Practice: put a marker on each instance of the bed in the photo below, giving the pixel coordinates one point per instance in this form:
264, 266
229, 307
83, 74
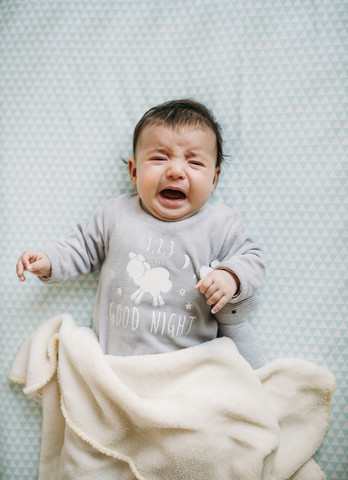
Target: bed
77, 76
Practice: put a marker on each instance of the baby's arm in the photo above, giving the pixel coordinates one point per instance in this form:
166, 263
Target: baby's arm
79, 253
35, 262
219, 287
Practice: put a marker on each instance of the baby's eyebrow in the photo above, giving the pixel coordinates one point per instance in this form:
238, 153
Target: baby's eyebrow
191, 153
160, 150
194, 154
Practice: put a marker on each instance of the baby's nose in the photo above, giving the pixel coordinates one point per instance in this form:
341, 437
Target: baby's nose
176, 169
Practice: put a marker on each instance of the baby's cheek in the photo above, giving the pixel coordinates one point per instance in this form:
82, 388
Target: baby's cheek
148, 181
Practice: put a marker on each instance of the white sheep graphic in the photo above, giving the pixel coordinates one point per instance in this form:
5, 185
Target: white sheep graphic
150, 280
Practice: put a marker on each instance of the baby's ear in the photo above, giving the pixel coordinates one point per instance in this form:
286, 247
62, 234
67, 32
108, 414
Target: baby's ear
216, 177
132, 168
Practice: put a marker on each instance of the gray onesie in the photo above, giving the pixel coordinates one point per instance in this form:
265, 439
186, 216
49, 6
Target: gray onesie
146, 302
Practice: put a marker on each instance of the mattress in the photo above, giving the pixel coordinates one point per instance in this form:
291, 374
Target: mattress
77, 76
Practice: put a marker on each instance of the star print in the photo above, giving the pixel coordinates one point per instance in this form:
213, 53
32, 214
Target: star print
182, 292
119, 291
188, 306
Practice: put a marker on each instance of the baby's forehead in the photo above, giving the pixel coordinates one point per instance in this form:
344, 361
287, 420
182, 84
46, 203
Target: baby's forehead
156, 131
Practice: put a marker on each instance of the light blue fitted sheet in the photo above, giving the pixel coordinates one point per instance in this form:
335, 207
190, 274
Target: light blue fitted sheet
76, 77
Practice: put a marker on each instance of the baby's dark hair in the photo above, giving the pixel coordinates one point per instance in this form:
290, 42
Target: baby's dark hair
181, 113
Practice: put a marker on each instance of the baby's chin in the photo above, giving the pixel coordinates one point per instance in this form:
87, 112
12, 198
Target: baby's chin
171, 214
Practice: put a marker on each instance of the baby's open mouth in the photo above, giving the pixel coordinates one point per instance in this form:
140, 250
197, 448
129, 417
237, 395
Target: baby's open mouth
170, 194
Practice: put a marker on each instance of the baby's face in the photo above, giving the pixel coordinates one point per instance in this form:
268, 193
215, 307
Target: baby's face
174, 170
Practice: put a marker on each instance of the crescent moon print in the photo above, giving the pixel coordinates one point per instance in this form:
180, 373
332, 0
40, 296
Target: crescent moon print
187, 261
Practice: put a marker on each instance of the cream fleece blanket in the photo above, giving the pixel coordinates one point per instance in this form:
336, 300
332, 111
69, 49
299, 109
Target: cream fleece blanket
196, 414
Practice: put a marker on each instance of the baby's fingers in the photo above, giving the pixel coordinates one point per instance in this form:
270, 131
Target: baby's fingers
31, 260
204, 284
20, 270
37, 266
221, 303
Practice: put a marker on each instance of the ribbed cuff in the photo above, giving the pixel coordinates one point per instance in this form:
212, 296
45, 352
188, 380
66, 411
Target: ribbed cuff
234, 313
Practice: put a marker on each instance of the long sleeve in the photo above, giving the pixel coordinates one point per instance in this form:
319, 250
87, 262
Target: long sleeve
241, 255
80, 253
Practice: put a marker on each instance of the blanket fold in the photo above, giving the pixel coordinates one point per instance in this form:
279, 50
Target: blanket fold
198, 413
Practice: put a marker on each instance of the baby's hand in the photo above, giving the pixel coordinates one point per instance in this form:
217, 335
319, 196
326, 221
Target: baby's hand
35, 262
219, 286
